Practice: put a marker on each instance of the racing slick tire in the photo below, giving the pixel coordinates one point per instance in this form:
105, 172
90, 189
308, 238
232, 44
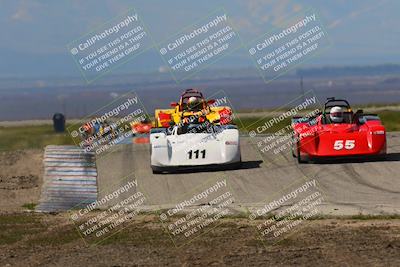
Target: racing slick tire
300, 159
294, 146
156, 170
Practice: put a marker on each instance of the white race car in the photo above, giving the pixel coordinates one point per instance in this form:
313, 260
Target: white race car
192, 145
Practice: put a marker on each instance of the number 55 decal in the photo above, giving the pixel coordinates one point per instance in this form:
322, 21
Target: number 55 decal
347, 144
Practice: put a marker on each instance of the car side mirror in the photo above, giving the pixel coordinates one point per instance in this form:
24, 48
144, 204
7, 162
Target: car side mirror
173, 104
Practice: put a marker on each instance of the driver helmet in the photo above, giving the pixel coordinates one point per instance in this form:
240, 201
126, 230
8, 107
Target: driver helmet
336, 114
194, 103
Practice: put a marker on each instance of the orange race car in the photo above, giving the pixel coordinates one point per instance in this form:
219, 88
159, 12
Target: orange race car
142, 127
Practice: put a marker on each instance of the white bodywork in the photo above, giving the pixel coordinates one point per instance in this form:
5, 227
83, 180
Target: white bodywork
221, 146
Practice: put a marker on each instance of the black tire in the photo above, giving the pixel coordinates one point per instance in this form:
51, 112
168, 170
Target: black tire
383, 157
293, 147
157, 172
238, 165
300, 159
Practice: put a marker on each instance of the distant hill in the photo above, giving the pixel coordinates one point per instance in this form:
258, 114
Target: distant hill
331, 71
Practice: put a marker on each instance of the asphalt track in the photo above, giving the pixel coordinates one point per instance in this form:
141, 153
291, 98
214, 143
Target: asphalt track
349, 187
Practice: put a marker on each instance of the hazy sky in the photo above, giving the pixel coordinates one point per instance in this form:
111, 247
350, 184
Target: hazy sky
34, 34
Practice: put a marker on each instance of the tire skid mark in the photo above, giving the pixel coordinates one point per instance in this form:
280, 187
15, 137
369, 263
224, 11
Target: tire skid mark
349, 169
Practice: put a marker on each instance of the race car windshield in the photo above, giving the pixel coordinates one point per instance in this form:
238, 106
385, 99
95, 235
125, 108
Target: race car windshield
205, 127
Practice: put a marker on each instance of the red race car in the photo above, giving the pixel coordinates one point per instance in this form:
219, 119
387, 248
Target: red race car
338, 132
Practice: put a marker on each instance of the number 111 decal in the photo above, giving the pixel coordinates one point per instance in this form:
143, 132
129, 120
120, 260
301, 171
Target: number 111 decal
196, 154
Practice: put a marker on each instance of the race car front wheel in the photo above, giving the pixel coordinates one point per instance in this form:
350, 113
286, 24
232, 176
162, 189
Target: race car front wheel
156, 170
294, 146
300, 159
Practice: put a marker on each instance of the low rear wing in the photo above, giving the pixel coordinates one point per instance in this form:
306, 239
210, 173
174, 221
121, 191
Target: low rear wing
364, 118
370, 117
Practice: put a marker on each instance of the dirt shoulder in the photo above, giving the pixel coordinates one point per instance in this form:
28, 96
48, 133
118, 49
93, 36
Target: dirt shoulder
35, 239
32, 239
21, 174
